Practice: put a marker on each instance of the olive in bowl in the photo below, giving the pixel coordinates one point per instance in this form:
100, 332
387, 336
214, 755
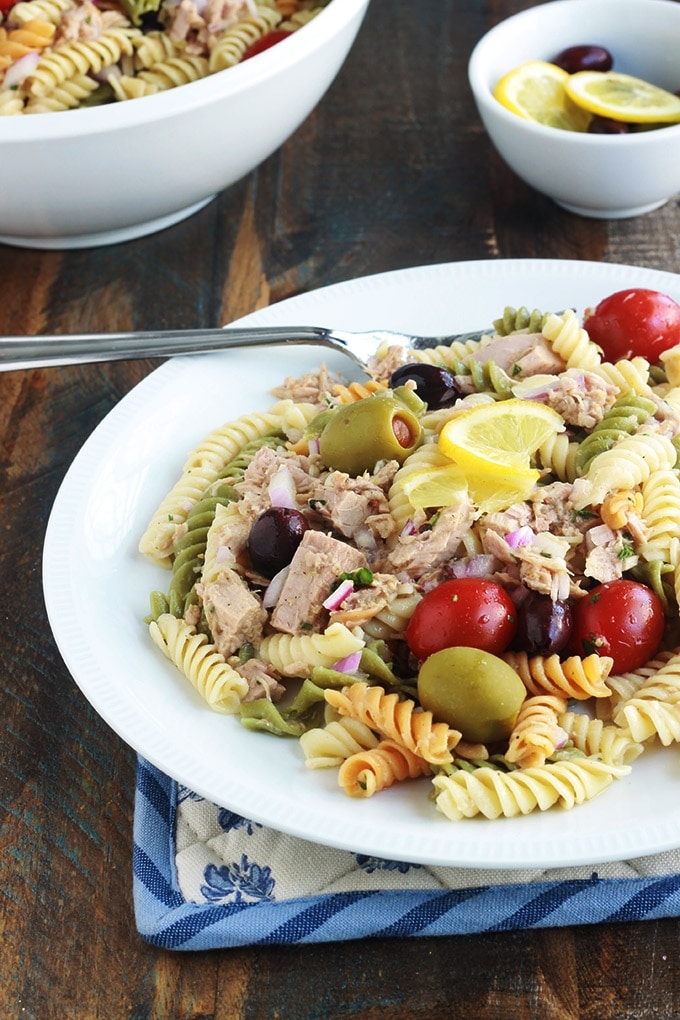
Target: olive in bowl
601, 174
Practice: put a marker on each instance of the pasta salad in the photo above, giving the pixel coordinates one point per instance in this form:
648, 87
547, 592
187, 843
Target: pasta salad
464, 570
58, 55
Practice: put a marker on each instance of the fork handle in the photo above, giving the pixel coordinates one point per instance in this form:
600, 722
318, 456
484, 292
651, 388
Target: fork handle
83, 348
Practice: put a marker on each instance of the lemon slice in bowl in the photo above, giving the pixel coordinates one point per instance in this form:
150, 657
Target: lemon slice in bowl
499, 439
536, 90
623, 97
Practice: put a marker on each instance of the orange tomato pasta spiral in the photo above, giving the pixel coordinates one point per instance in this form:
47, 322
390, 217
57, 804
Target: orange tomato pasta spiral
397, 720
368, 772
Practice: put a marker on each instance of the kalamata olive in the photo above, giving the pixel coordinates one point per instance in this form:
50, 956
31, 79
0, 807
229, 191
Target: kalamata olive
543, 626
434, 384
473, 691
274, 537
584, 58
376, 428
608, 126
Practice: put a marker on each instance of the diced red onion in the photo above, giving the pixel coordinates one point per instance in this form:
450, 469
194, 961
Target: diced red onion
314, 446
349, 664
561, 739
408, 529
274, 588
599, 535
479, 565
20, 69
522, 536
281, 489
337, 597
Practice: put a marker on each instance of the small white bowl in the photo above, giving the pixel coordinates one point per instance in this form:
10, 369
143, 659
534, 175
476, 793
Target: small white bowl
97, 176
601, 176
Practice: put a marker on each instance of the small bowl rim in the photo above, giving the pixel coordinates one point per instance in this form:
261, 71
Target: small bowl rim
190, 97
483, 94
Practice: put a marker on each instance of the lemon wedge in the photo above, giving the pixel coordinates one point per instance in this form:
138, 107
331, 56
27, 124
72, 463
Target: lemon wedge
499, 439
623, 97
537, 90
435, 486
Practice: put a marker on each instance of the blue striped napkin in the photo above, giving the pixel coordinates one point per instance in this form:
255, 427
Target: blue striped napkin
205, 878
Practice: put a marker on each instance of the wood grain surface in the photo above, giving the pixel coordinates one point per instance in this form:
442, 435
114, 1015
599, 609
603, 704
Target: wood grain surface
393, 169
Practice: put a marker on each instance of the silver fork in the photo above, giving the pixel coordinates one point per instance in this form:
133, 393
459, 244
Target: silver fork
76, 349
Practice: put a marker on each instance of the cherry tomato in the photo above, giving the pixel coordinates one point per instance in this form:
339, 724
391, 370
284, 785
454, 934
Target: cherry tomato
6, 5
634, 322
623, 619
261, 44
469, 611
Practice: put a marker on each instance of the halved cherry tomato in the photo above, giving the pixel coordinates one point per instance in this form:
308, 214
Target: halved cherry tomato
6, 5
469, 611
263, 43
634, 322
623, 619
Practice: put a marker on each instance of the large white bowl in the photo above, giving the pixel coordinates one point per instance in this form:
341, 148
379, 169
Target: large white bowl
112, 173
602, 176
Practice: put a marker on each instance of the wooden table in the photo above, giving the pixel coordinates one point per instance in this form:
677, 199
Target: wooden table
392, 170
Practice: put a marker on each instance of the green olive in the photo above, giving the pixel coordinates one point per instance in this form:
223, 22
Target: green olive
376, 428
473, 691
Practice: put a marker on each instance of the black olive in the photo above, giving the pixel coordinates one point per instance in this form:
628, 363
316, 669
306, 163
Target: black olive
543, 626
584, 58
608, 126
435, 385
274, 537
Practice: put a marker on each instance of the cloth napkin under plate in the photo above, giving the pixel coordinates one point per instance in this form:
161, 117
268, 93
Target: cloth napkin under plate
205, 878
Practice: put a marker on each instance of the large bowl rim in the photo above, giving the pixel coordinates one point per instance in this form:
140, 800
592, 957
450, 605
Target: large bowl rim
484, 96
192, 96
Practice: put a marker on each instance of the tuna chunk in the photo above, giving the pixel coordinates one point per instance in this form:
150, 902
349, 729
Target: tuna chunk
234, 614
414, 555
520, 355
318, 563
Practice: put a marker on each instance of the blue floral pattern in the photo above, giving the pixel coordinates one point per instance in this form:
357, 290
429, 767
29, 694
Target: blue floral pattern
229, 821
238, 882
371, 864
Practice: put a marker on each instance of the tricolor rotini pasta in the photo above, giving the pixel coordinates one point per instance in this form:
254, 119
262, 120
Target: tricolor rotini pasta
317, 570
58, 55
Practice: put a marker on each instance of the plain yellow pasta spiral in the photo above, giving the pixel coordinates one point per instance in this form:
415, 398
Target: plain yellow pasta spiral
655, 707
200, 662
68, 59
398, 720
570, 340
229, 48
613, 744
575, 677
494, 794
628, 464
297, 654
330, 745
67, 96
167, 74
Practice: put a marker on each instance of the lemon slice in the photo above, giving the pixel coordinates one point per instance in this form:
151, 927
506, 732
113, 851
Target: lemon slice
499, 439
490, 493
537, 91
435, 486
623, 97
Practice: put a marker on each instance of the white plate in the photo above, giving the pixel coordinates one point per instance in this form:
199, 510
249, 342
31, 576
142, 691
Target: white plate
96, 588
